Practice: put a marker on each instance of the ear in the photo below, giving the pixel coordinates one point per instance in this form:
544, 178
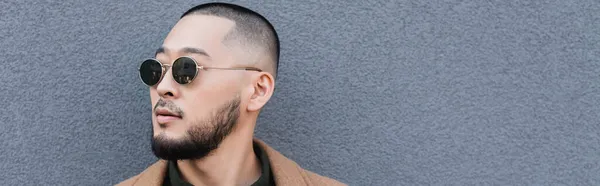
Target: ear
263, 87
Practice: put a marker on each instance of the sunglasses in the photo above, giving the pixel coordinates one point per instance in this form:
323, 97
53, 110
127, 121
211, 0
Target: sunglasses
183, 69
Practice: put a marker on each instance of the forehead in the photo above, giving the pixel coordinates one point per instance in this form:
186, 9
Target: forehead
198, 31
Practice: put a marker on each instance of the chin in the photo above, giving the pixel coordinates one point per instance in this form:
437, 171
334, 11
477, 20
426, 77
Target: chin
169, 131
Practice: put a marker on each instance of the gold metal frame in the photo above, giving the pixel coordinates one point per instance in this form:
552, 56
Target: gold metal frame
164, 68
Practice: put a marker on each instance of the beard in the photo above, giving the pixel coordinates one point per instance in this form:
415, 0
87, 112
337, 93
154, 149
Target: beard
201, 138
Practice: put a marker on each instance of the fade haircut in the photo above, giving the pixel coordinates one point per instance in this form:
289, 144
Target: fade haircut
251, 29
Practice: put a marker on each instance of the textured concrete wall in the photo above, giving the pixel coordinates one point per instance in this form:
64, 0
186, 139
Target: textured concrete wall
370, 93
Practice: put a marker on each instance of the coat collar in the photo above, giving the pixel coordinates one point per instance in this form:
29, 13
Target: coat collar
285, 171
153, 175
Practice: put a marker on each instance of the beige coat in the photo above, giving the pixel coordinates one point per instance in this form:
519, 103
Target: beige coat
285, 172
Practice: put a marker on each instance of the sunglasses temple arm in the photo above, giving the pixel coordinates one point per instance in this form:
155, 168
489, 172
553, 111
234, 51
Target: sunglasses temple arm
234, 68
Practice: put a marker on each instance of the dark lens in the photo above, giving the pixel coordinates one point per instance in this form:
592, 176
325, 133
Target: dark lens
150, 72
184, 70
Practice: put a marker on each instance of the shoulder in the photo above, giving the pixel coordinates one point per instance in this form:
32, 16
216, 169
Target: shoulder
153, 175
317, 179
129, 181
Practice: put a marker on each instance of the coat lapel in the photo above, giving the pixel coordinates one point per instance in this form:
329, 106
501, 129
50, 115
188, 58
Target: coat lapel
153, 175
285, 171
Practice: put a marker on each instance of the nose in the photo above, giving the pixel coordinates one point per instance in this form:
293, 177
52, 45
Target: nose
167, 88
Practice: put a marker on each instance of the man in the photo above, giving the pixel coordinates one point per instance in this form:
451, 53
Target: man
214, 72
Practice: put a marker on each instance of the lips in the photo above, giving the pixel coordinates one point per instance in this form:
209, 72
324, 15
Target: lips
164, 116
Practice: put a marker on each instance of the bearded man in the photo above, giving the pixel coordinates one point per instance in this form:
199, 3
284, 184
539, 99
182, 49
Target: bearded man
208, 81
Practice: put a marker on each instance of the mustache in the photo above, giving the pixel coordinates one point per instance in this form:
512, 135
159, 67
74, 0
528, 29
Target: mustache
169, 105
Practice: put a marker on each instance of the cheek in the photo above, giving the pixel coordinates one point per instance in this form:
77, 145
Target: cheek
199, 103
203, 102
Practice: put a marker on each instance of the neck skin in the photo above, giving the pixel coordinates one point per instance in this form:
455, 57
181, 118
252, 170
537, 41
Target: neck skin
232, 163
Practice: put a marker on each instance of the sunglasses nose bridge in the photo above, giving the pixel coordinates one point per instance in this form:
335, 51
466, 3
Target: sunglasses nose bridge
166, 67
165, 71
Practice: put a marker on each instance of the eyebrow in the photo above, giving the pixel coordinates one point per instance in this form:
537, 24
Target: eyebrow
185, 50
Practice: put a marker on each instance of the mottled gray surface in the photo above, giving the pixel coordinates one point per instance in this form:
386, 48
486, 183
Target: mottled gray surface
388, 93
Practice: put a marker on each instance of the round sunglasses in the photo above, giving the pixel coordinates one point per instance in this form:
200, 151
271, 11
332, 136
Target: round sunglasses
183, 69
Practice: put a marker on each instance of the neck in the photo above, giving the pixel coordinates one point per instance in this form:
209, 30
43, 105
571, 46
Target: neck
232, 163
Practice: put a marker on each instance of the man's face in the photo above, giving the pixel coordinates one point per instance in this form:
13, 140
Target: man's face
208, 107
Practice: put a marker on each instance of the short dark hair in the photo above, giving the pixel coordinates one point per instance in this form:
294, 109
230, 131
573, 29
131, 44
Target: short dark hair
250, 26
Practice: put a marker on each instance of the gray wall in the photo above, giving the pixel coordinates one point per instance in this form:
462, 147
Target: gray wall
370, 93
